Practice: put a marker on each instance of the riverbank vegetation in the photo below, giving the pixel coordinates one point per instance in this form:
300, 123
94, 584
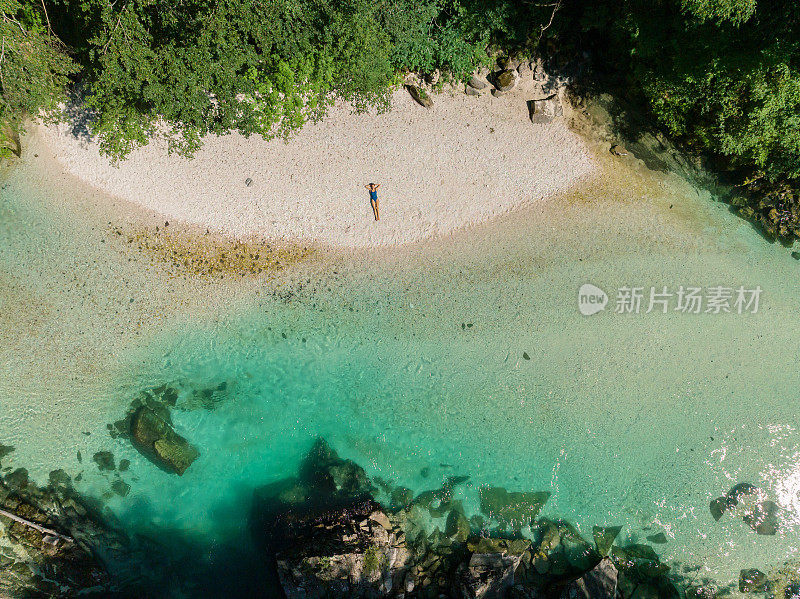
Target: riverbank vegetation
719, 76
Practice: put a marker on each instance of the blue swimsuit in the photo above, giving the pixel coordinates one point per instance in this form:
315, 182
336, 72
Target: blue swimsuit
373, 195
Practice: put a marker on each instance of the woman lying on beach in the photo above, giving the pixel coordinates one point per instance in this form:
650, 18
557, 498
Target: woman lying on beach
373, 199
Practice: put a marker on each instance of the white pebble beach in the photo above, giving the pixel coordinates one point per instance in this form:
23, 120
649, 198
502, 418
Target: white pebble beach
462, 162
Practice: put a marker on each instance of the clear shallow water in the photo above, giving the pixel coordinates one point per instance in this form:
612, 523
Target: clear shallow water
634, 419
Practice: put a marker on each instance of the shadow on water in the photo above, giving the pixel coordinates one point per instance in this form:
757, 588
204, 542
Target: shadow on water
224, 564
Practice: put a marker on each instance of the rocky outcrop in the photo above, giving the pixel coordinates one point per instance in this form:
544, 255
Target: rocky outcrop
330, 538
598, 583
49, 539
491, 569
361, 555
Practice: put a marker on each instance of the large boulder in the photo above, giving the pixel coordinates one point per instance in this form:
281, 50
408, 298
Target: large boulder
155, 438
477, 82
352, 552
490, 572
505, 80
544, 110
420, 96
598, 583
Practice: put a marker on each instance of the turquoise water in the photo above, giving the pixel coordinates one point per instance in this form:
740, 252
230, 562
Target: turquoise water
638, 419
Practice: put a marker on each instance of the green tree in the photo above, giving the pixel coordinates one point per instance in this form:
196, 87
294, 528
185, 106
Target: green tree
34, 67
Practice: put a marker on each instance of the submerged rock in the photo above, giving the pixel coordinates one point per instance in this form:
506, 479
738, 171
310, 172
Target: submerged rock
579, 553
5, 450
739, 492
752, 581
401, 496
104, 460
764, 518
658, 538
641, 551
604, 537
457, 525
121, 488
515, 509
718, 507
155, 438
329, 474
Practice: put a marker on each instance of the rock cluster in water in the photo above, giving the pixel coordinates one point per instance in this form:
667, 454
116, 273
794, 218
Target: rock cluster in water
148, 426
49, 538
329, 537
747, 501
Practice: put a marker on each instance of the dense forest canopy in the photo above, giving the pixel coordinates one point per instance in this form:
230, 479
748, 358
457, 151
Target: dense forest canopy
720, 76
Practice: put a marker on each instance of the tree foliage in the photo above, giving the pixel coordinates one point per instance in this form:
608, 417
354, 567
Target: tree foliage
719, 75
189, 68
33, 65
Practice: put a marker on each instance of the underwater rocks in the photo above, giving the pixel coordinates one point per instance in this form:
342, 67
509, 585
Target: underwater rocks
762, 515
155, 438
104, 460
763, 518
512, 509
331, 475
48, 540
328, 537
604, 537
5, 450
752, 581
148, 426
